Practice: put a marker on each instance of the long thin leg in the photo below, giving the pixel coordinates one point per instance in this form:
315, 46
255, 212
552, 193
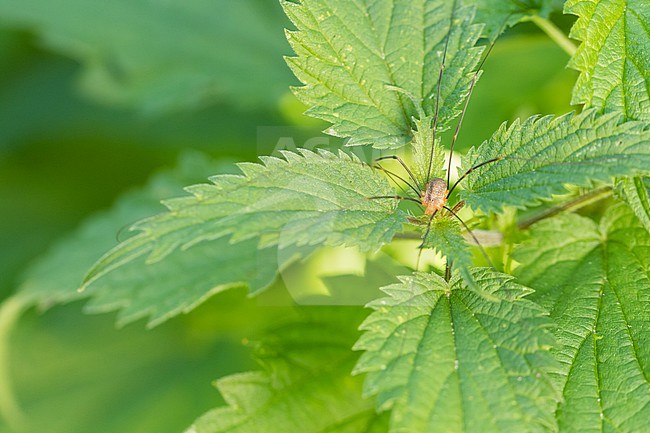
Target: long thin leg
391, 174
417, 263
394, 197
438, 90
487, 258
408, 170
489, 161
458, 206
426, 233
424, 238
469, 95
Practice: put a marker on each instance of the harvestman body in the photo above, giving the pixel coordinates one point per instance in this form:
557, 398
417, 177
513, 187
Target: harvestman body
435, 196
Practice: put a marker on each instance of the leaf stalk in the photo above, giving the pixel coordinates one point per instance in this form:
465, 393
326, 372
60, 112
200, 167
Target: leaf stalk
555, 34
578, 202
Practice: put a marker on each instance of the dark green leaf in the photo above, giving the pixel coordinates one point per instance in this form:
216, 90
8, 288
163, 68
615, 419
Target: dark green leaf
499, 14
594, 278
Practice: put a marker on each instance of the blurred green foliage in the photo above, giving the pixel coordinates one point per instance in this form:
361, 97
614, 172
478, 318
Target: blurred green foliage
207, 76
79, 374
165, 56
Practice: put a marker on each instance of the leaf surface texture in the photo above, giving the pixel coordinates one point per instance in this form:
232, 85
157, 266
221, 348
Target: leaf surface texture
594, 279
371, 68
445, 357
541, 155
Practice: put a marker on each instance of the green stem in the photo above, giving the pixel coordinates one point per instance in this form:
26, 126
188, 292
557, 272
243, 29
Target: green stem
576, 203
10, 311
555, 33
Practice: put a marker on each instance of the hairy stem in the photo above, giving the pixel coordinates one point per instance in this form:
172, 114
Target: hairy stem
576, 203
555, 33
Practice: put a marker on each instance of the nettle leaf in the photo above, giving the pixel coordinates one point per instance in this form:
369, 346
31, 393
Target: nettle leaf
542, 155
445, 357
445, 238
614, 66
595, 281
613, 57
283, 208
160, 290
636, 193
370, 69
185, 279
305, 386
159, 56
428, 159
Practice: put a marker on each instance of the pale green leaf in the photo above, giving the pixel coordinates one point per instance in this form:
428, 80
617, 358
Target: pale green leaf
161, 55
371, 68
355, 289
447, 358
613, 57
55, 277
636, 193
304, 200
541, 155
185, 279
445, 238
428, 159
160, 290
595, 281
305, 386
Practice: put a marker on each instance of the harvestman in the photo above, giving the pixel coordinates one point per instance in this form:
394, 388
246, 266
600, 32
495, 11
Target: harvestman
434, 195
